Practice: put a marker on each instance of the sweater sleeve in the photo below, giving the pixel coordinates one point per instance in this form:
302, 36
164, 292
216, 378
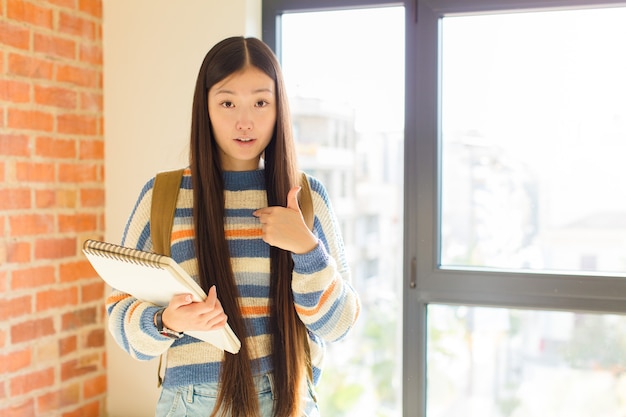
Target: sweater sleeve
131, 321
324, 298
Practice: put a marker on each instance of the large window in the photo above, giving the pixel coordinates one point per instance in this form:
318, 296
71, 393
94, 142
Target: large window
513, 268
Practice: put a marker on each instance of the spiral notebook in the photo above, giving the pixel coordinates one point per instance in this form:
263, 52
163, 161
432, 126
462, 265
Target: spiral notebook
153, 278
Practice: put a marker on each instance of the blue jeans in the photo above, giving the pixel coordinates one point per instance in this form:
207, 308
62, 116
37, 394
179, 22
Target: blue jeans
199, 400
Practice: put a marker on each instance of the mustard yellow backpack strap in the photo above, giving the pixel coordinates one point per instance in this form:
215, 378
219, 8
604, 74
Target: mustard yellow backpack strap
164, 196
162, 210
306, 201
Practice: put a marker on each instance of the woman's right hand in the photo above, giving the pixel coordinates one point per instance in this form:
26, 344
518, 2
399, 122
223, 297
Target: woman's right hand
183, 314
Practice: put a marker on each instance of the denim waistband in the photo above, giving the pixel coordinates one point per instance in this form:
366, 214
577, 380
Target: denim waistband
262, 383
198, 398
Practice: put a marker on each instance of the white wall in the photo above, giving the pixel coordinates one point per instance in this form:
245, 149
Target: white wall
152, 52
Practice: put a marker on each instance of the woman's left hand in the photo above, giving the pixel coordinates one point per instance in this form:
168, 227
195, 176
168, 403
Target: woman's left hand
284, 227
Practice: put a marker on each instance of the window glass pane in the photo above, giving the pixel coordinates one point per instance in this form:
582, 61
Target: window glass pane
533, 141
346, 86
490, 362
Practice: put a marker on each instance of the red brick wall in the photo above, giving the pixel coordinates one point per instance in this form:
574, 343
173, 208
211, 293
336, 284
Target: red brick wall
52, 331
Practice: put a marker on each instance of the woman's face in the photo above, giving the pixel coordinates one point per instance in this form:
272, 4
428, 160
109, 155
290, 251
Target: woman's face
242, 109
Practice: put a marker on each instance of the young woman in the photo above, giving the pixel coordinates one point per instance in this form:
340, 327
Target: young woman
238, 230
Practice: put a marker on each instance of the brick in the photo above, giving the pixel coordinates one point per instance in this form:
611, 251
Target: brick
4, 285
31, 330
104, 359
30, 120
15, 199
56, 96
92, 198
76, 271
55, 198
15, 307
55, 148
33, 277
70, 394
67, 198
77, 124
90, 54
56, 298
30, 67
91, 7
31, 224
45, 198
55, 248
82, 77
95, 339
77, 173
93, 292
18, 252
3, 260
23, 409
95, 386
54, 46
14, 35
23, 384
68, 4
68, 345
80, 222
14, 361
78, 367
22, 11
14, 145
14, 91
91, 149
93, 102
48, 402
75, 25
47, 351
79, 318
51, 402
35, 172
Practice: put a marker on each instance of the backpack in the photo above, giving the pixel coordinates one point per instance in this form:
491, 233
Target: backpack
164, 196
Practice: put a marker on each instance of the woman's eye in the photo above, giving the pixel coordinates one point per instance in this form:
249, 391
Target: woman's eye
261, 103
227, 104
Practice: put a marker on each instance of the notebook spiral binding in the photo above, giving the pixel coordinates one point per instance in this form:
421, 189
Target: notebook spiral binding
121, 253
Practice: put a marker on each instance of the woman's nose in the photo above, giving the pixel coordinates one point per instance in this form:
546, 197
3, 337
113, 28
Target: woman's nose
244, 121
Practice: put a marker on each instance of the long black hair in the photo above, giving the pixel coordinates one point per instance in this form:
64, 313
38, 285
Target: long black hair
237, 396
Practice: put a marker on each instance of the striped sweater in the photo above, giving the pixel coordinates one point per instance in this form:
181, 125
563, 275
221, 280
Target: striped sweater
324, 299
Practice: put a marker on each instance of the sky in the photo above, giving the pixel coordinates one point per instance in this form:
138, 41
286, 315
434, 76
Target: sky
352, 56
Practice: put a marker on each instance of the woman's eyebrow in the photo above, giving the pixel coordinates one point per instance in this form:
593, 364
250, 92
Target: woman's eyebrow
258, 90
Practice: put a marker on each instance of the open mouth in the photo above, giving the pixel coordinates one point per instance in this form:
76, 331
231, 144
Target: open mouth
244, 139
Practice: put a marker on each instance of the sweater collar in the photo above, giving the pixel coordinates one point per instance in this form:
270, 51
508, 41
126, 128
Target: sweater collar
244, 180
